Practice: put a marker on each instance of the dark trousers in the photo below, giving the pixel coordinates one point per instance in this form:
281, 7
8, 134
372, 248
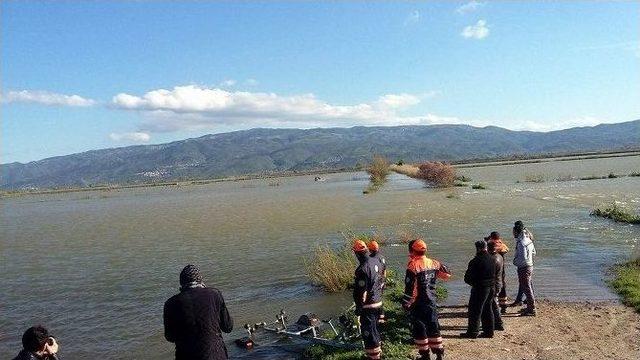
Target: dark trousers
497, 318
425, 329
480, 307
502, 295
370, 333
525, 274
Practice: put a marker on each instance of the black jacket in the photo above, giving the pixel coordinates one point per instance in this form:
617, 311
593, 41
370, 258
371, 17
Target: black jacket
193, 320
367, 289
27, 355
483, 271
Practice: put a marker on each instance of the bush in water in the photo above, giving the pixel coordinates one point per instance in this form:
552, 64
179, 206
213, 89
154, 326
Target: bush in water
437, 174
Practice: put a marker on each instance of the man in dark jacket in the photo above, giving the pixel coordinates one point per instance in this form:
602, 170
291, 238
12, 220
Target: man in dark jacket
481, 275
374, 253
497, 318
38, 344
194, 319
367, 295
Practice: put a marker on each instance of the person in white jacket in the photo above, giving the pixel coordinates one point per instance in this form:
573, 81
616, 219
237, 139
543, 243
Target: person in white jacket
523, 260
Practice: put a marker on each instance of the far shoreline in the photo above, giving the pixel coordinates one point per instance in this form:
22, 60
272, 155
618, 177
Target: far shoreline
461, 164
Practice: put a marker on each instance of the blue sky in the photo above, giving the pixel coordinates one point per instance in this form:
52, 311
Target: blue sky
79, 76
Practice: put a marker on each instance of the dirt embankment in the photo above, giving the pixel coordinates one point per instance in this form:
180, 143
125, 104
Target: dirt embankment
560, 331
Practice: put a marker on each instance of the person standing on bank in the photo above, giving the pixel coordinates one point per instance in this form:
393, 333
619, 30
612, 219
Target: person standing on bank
374, 253
420, 299
367, 295
481, 274
38, 344
501, 249
497, 319
194, 319
523, 260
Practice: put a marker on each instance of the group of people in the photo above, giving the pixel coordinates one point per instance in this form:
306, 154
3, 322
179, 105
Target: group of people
485, 274
195, 318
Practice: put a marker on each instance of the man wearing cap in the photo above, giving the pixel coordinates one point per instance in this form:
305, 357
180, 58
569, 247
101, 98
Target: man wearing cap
194, 319
367, 295
420, 299
481, 275
501, 248
374, 253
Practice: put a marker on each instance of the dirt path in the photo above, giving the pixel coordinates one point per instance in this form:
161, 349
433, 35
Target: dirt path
560, 331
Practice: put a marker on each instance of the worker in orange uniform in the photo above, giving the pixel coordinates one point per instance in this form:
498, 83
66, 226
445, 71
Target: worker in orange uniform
367, 295
420, 299
374, 253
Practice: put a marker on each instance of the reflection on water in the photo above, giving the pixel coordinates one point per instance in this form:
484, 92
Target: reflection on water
96, 267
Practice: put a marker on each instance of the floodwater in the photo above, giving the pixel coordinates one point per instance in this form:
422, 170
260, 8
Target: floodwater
96, 267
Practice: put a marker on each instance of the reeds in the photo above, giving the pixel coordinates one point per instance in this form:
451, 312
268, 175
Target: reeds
617, 213
437, 174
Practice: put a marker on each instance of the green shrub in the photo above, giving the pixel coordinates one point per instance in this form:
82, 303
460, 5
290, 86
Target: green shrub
478, 187
612, 176
463, 178
378, 169
634, 174
331, 269
626, 283
591, 177
617, 213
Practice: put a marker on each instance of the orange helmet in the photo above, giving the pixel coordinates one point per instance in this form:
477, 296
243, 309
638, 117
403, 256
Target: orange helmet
419, 246
373, 245
359, 246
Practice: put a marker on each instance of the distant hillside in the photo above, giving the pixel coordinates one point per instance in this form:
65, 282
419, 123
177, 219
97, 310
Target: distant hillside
274, 150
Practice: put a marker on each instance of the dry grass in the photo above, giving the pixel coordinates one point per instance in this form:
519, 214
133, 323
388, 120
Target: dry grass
406, 169
331, 269
378, 169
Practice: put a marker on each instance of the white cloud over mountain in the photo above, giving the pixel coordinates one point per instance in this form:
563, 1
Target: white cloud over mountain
139, 137
46, 98
194, 107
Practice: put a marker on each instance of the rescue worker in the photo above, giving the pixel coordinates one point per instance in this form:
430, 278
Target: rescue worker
523, 260
481, 274
195, 318
367, 295
497, 319
501, 248
420, 299
374, 253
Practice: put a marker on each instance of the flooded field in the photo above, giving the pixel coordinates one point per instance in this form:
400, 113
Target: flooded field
96, 267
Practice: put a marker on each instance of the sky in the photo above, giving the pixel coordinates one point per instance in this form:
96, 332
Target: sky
77, 76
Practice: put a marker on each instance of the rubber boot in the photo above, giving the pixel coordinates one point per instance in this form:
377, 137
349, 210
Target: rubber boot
423, 355
439, 354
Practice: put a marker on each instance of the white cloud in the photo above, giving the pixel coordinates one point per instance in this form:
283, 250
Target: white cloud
470, 7
228, 83
193, 107
478, 31
251, 82
45, 98
412, 18
131, 137
560, 125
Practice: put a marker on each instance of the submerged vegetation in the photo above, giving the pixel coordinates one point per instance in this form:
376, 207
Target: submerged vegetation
378, 171
617, 213
626, 283
437, 174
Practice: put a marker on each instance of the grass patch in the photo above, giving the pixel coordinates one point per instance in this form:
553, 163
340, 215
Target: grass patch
635, 174
617, 213
478, 187
452, 196
592, 177
396, 334
534, 178
463, 178
612, 176
331, 269
626, 283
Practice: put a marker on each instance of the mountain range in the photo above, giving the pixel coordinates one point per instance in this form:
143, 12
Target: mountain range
268, 151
